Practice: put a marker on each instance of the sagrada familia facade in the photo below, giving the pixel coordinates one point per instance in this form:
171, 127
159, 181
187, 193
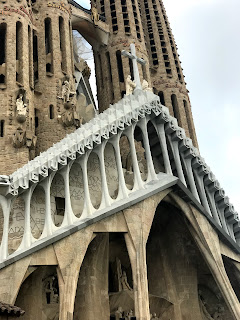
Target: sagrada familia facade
106, 212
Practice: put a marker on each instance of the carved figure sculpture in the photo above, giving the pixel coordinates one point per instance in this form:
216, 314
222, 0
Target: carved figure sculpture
154, 316
130, 315
124, 282
122, 277
119, 313
130, 85
21, 106
19, 138
145, 86
218, 313
203, 308
51, 290
94, 15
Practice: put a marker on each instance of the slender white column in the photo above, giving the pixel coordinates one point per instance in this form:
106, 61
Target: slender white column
48, 225
188, 167
123, 191
106, 199
69, 216
88, 208
176, 156
138, 183
163, 143
27, 236
6, 208
151, 171
201, 188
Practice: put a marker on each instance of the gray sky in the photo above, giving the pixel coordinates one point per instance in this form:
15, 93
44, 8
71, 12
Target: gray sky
207, 36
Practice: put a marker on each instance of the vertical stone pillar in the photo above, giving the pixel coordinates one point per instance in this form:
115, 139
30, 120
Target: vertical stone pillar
139, 220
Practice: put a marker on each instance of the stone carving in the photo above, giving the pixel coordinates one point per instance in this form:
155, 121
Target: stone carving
154, 316
119, 313
5, 179
19, 138
130, 85
66, 91
21, 109
145, 86
122, 277
218, 314
129, 315
51, 290
94, 15
203, 307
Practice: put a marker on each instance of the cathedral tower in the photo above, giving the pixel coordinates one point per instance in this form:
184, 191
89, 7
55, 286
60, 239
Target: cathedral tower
144, 22
112, 69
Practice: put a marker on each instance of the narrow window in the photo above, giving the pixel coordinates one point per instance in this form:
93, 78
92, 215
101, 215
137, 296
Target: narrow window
30, 57
120, 66
175, 106
51, 112
189, 118
110, 76
63, 44
161, 96
35, 56
19, 52
36, 118
3, 29
131, 69
1, 128
48, 45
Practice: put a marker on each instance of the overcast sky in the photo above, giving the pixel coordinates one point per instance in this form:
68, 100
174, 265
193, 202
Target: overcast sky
207, 36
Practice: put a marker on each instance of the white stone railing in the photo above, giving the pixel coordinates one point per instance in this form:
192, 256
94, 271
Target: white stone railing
100, 178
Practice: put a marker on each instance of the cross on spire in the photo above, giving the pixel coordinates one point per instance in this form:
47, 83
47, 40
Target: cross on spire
135, 60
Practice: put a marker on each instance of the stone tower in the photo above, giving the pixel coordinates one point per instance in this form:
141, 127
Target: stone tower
112, 69
144, 22
37, 84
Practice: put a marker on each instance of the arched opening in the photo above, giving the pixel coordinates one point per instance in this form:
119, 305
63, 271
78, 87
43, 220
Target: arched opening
126, 157
57, 195
2, 128
76, 189
161, 96
94, 180
189, 118
38, 211
16, 224
155, 147
233, 273
111, 170
107, 268
177, 271
39, 294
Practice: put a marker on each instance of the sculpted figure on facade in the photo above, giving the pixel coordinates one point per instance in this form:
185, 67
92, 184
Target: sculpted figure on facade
154, 316
130, 85
21, 109
66, 92
119, 313
145, 86
19, 138
94, 15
